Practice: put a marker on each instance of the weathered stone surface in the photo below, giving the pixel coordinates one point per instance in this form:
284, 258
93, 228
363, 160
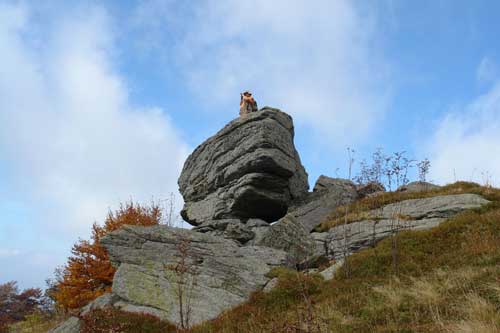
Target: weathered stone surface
417, 187
224, 273
227, 228
329, 193
106, 300
442, 206
415, 214
370, 189
329, 272
289, 234
364, 234
325, 183
71, 325
270, 285
249, 169
259, 229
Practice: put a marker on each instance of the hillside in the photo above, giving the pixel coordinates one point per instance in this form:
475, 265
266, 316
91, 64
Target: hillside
266, 255
448, 280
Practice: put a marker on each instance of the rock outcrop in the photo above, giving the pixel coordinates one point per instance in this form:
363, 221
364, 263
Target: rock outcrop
418, 186
71, 325
415, 214
223, 273
288, 234
370, 189
328, 194
249, 169
245, 191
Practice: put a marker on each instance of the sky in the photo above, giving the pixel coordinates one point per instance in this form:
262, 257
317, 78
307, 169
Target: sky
102, 101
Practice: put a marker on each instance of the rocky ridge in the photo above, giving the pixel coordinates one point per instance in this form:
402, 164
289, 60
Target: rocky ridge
414, 214
234, 184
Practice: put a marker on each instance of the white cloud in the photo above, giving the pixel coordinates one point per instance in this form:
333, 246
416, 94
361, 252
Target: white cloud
487, 71
316, 60
466, 144
77, 143
6, 253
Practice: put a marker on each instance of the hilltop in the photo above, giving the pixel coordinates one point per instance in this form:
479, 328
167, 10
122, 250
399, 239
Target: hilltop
267, 255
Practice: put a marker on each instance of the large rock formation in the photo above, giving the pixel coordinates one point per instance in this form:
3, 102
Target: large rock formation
148, 278
249, 169
328, 194
234, 184
288, 234
414, 214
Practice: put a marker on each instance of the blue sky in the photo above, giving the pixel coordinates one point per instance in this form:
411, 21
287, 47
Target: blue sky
101, 101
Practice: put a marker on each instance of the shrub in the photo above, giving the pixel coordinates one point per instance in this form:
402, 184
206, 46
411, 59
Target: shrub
16, 305
88, 273
116, 321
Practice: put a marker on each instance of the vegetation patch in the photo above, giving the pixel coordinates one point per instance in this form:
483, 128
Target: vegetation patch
113, 320
358, 210
448, 280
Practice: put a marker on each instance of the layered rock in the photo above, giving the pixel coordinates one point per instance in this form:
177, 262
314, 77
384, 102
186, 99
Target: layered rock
222, 273
328, 194
415, 214
249, 169
418, 186
288, 234
370, 189
234, 184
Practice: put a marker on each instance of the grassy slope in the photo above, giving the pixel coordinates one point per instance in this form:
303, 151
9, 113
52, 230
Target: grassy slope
448, 280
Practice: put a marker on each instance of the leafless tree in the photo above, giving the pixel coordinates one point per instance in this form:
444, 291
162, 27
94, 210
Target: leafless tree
371, 173
184, 277
171, 218
346, 229
400, 168
306, 320
423, 169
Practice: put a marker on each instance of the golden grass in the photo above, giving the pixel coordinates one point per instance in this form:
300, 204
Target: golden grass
448, 281
36, 323
482, 316
359, 210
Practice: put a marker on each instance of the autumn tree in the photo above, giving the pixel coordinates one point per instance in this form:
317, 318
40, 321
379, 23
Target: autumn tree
88, 273
16, 305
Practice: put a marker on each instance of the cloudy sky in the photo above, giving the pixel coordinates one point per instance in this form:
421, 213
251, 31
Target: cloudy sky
101, 101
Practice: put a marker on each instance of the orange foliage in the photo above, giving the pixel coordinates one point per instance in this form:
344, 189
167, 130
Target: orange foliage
88, 273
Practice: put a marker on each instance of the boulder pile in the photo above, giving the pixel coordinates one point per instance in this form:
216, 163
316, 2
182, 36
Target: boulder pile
246, 194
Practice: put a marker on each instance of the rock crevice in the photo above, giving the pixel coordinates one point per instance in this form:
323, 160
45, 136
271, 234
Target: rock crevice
234, 185
249, 169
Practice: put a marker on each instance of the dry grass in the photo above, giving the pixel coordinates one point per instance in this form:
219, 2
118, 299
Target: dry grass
482, 316
359, 210
443, 296
36, 323
449, 281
